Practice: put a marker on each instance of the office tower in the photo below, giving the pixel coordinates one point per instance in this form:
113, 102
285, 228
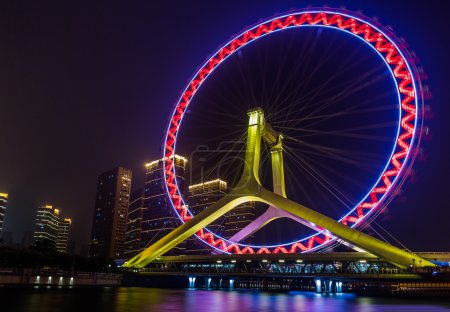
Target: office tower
63, 235
134, 225
205, 194
201, 196
236, 219
159, 217
51, 231
46, 228
3, 202
110, 212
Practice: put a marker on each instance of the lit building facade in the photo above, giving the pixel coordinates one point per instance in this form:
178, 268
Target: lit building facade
158, 216
62, 241
201, 196
46, 228
238, 218
3, 202
134, 225
110, 212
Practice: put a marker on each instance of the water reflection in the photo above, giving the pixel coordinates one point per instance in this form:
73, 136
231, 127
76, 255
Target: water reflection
148, 299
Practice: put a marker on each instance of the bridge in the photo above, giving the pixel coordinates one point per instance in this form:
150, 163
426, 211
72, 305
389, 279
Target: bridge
320, 272
338, 264
249, 188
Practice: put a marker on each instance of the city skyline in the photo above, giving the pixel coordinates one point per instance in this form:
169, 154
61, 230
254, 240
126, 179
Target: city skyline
158, 212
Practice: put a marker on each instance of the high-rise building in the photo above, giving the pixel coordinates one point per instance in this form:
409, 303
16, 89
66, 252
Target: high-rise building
63, 235
111, 205
46, 228
238, 218
159, 218
51, 231
3, 202
136, 208
200, 197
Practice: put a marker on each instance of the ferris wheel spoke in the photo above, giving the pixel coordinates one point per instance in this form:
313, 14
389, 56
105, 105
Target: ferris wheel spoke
309, 189
358, 109
322, 181
346, 134
302, 74
313, 171
310, 160
332, 152
344, 155
379, 125
312, 93
236, 136
327, 155
345, 92
305, 90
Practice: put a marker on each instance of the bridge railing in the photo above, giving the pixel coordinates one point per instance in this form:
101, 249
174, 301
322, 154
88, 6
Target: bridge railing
274, 268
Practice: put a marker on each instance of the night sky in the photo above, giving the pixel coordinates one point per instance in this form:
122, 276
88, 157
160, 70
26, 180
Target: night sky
86, 87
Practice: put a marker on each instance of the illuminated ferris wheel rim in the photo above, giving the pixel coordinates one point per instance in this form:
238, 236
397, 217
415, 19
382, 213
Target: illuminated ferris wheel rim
398, 163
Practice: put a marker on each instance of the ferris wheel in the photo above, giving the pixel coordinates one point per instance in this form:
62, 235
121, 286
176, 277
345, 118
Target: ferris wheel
349, 130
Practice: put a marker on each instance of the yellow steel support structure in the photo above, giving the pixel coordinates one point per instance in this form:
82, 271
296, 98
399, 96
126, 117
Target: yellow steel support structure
249, 189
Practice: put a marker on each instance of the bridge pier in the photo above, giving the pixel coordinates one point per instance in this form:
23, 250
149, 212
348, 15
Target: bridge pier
338, 287
328, 286
192, 281
318, 285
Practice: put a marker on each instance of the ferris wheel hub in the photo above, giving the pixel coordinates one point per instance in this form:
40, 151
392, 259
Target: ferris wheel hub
270, 135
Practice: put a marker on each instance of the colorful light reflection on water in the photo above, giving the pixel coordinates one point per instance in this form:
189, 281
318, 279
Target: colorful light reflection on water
152, 299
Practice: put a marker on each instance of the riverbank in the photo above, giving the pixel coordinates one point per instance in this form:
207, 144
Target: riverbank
56, 278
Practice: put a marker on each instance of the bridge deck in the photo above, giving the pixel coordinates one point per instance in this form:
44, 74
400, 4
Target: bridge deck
341, 265
306, 257
338, 256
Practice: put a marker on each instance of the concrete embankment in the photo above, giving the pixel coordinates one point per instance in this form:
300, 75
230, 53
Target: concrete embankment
31, 277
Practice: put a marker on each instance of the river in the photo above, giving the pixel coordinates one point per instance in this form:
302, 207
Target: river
151, 299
